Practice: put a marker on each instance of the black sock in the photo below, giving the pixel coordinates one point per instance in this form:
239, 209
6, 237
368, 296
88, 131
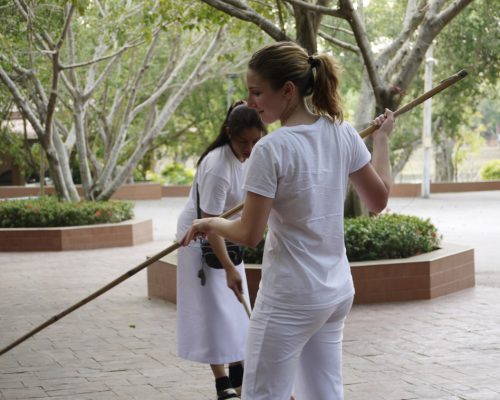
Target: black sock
236, 374
222, 383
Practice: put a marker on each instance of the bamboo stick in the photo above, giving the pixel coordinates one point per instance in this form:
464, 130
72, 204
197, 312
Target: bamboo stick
427, 95
109, 286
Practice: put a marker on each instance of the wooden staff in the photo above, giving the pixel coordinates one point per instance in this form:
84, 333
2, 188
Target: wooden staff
443, 85
427, 95
109, 286
245, 304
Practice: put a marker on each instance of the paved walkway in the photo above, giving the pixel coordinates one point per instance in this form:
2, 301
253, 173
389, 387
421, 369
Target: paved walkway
123, 346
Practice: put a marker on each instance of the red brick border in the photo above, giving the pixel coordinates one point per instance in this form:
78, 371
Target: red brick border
135, 191
414, 189
175, 190
422, 277
426, 276
127, 233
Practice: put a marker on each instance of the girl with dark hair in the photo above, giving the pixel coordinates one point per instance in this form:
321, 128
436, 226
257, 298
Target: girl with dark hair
296, 183
211, 322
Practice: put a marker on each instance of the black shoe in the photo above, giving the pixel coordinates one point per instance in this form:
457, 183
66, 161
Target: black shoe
227, 394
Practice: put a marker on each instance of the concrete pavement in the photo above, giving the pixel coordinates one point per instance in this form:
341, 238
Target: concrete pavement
123, 346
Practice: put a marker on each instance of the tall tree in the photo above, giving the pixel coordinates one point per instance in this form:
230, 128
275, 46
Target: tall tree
390, 56
390, 63
102, 79
471, 43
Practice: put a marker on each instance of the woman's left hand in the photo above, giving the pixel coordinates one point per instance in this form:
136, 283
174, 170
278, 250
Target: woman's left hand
234, 282
199, 227
384, 122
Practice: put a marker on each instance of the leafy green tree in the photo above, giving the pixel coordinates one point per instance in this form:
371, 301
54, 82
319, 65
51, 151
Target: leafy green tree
388, 55
99, 81
469, 43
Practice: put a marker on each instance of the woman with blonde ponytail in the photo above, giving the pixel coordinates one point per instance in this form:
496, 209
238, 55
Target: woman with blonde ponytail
296, 184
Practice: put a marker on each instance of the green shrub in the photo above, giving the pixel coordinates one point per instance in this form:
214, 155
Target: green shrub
491, 170
253, 255
49, 212
377, 238
177, 174
389, 236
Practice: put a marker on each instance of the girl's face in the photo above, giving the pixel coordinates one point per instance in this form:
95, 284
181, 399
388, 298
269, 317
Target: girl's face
269, 103
242, 143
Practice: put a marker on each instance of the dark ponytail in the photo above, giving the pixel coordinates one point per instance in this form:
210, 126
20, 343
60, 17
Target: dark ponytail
238, 117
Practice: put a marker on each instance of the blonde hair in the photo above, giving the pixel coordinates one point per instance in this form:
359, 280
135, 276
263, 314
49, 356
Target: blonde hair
316, 76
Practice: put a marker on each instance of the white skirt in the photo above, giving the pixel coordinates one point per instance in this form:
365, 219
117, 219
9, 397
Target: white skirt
212, 324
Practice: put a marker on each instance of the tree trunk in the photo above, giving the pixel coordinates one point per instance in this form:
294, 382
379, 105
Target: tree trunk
443, 159
307, 26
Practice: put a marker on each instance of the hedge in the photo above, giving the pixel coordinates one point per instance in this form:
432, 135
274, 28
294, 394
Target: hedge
47, 211
491, 170
387, 236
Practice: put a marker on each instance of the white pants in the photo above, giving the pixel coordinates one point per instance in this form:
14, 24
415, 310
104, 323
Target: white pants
304, 346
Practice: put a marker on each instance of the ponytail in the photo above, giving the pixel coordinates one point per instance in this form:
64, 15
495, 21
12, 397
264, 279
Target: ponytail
325, 94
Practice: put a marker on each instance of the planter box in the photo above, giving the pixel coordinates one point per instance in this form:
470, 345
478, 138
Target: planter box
134, 191
426, 276
415, 189
422, 277
175, 190
127, 233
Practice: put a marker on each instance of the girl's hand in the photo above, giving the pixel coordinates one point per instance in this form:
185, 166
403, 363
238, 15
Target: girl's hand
234, 282
199, 228
385, 123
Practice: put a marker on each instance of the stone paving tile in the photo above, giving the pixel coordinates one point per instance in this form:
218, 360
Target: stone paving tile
123, 346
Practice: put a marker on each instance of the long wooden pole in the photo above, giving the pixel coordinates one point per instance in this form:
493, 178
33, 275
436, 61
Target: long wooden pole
109, 286
443, 85
420, 99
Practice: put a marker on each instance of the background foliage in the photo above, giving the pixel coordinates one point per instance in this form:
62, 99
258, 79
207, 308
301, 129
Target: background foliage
491, 170
376, 238
47, 211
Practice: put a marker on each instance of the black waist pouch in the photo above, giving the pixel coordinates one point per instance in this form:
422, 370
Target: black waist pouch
234, 251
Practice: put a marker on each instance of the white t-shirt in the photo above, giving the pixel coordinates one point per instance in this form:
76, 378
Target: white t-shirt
305, 169
220, 179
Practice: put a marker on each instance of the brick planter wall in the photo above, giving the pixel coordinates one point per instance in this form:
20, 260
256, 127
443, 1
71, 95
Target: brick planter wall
127, 233
414, 189
175, 190
135, 191
426, 276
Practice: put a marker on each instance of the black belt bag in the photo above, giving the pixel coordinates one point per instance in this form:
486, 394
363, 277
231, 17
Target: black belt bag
234, 251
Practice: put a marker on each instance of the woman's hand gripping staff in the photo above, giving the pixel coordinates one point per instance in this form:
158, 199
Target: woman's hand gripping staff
247, 230
373, 182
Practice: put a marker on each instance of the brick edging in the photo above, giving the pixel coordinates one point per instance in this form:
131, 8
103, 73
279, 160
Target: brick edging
426, 276
127, 233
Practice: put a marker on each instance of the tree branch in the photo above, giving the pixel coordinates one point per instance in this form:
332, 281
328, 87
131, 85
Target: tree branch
22, 103
432, 25
412, 20
241, 11
339, 43
358, 29
117, 53
319, 9
338, 29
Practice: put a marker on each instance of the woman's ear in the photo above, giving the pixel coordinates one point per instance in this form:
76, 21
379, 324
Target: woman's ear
226, 131
288, 89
